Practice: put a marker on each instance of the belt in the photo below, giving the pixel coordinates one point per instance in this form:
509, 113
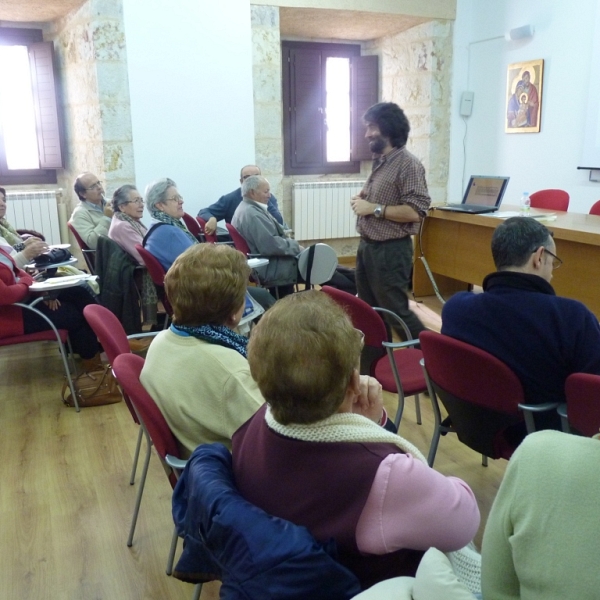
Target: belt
364, 238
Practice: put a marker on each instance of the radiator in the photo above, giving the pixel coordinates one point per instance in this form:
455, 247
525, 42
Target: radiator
37, 210
322, 209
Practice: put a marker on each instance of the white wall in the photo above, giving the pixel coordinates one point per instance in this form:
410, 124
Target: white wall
190, 81
564, 36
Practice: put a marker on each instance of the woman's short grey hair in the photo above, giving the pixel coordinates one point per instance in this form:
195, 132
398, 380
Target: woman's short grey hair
121, 196
156, 192
252, 184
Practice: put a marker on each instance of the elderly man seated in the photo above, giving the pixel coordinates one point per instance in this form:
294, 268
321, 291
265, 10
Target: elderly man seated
92, 216
265, 236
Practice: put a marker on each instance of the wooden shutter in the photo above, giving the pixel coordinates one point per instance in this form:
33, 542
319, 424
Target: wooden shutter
41, 61
306, 108
364, 77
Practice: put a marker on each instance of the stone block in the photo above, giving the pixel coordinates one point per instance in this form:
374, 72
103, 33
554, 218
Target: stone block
265, 16
267, 121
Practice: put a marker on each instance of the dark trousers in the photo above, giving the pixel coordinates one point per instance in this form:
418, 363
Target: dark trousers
69, 316
383, 272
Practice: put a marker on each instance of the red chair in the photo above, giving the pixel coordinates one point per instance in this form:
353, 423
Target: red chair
550, 199
88, 254
238, 241
483, 397
581, 413
396, 366
595, 210
210, 238
127, 369
157, 274
193, 226
61, 336
112, 336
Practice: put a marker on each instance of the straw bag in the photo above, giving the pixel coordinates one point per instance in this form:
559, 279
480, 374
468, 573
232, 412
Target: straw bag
95, 388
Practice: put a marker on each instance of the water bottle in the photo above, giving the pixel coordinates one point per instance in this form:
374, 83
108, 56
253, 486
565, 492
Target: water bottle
525, 204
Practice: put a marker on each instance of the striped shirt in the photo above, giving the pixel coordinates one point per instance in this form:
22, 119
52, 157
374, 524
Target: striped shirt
397, 178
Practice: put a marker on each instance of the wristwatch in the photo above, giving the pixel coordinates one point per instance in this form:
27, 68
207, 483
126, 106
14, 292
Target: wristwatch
378, 212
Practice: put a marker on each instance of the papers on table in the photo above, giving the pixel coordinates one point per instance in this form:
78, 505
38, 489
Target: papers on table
506, 214
254, 263
58, 283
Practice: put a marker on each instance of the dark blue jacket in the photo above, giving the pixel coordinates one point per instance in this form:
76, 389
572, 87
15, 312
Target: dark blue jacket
542, 337
226, 205
256, 556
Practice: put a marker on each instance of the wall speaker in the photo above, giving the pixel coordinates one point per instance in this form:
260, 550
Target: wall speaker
519, 33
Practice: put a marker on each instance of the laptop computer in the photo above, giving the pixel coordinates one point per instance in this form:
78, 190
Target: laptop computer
483, 195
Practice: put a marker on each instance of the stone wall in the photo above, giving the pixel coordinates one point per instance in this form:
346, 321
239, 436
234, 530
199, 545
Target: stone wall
92, 63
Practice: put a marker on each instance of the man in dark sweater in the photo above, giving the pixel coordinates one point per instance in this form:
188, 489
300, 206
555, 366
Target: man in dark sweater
519, 319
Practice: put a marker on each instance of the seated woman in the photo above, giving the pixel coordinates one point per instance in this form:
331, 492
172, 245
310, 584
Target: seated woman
196, 371
22, 250
315, 455
65, 312
126, 227
166, 243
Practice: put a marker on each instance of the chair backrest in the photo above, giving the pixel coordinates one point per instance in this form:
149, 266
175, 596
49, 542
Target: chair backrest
192, 225
583, 402
238, 241
209, 238
127, 369
595, 210
550, 199
157, 274
108, 330
366, 319
88, 253
323, 264
480, 392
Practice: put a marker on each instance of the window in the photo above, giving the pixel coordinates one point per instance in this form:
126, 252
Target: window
30, 141
326, 90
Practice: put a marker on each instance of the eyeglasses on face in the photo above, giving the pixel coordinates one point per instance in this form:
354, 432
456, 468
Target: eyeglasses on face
136, 201
95, 186
556, 262
177, 198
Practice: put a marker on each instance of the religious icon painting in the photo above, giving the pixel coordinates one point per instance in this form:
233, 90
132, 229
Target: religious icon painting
524, 96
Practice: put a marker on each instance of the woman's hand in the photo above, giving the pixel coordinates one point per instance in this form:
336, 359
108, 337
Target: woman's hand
369, 402
33, 248
52, 304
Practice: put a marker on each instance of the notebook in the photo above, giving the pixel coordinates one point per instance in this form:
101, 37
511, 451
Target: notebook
483, 195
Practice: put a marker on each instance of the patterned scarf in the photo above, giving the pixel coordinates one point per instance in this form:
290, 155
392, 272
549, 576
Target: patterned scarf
9, 233
159, 215
137, 225
216, 334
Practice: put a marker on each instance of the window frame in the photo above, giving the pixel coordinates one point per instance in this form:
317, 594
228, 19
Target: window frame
303, 106
33, 39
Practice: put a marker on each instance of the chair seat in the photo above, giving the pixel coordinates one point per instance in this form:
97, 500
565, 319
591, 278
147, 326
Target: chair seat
409, 368
40, 336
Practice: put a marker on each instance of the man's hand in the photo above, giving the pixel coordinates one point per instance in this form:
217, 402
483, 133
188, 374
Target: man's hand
108, 211
34, 247
211, 226
362, 207
369, 403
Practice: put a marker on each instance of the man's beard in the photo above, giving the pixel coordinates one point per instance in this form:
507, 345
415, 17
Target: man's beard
377, 145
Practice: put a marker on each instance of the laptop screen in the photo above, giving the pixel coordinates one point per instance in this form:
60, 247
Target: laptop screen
485, 191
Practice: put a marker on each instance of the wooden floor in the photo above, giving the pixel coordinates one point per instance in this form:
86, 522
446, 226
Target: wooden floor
65, 497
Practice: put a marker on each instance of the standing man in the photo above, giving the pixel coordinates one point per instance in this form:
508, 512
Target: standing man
226, 205
91, 217
389, 209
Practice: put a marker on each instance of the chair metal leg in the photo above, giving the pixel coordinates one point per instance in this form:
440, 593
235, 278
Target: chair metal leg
197, 591
418, 409
484, 460
136, 456
63, 355
400, 410
172, 550
138, 499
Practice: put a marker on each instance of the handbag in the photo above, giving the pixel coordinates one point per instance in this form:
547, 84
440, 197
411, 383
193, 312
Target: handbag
95, 388
52, 257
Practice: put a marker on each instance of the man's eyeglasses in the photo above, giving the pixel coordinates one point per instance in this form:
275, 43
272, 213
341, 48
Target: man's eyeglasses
95, 186
136, 201
177, 198
556, 262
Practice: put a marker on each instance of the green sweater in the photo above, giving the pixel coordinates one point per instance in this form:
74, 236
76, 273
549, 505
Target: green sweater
542, 537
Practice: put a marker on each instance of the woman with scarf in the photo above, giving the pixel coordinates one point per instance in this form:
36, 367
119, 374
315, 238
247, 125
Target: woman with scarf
196, 371
22, 250
127, 230
315, 454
